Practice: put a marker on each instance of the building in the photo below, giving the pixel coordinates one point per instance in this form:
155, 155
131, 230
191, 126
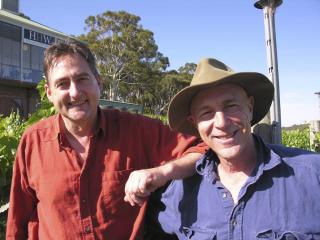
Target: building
22, 44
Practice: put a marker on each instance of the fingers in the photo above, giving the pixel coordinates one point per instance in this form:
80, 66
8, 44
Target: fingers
133, 199
141, 183
136, 188
144, 186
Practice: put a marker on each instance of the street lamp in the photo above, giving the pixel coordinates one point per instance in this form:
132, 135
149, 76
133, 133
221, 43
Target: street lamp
269, 7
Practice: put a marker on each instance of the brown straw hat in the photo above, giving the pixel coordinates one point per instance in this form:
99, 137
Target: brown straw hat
211, 72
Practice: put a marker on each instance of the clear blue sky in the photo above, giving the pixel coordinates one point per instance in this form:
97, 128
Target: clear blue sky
229, 30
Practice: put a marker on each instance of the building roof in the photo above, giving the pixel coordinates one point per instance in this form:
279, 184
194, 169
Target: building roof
15, 19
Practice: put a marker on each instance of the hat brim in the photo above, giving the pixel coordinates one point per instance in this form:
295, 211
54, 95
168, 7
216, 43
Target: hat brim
255, 84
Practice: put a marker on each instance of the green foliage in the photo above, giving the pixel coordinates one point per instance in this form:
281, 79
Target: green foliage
131, 67
316, 145
127, 55
11, 129
167, 84
299, 138
188, 68
45, 107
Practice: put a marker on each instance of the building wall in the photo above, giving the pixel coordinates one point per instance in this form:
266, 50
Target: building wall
17, 98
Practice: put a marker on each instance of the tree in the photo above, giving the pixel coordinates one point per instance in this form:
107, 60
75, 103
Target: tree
188, 68
127, 55
167, 85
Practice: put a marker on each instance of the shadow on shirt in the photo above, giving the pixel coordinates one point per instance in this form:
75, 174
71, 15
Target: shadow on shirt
153, 230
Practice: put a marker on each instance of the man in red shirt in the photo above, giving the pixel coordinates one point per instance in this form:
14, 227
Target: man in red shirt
70, 169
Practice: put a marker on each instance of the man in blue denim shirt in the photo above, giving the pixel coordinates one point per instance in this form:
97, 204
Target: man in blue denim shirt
244, 188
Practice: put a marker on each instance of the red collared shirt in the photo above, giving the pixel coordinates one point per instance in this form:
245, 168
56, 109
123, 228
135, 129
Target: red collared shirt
55, 197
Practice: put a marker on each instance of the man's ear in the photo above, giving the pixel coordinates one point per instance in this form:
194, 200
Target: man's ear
48, 91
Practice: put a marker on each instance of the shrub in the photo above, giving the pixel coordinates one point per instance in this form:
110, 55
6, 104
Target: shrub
11, 129
299, 138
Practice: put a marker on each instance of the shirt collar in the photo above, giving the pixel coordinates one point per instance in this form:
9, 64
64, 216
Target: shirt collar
207, 166
101, 122
267, 160
60, 132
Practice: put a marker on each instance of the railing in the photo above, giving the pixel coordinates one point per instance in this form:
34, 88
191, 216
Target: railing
131, 107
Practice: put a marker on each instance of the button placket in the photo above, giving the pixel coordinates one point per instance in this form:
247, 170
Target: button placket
235, 223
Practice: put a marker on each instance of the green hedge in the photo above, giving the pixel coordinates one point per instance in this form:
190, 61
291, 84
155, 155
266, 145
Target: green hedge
299, 138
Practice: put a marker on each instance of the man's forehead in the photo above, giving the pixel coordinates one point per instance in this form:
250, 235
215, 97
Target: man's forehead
59, 64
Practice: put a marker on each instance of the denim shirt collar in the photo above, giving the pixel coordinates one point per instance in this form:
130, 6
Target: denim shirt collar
267, 160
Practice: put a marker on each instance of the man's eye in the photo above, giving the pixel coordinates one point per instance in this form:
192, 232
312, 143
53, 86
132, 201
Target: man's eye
231, 107
205, 114
61, 84
83, 79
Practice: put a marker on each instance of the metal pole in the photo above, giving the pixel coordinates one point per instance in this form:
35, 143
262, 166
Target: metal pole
318, 93
269, 7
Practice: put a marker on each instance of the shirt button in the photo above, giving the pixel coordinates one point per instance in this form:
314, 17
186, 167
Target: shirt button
87, 229
234, 222
224, 195
84, 201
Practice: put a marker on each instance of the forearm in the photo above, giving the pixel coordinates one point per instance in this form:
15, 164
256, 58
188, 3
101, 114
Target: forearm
179, 168
142, 182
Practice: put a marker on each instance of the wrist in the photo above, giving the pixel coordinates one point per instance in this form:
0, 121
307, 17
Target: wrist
166, 171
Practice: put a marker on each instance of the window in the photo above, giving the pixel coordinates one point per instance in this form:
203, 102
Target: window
32, 63
10, 41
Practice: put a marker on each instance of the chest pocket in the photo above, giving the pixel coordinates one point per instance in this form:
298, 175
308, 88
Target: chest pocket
287, 235
198, 234
113, 191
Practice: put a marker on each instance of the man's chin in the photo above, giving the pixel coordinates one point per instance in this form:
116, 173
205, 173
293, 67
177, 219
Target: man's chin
76, 118
229, 152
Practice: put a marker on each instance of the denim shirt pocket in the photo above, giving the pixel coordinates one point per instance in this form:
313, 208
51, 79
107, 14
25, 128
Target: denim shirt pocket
286, 235
198, 234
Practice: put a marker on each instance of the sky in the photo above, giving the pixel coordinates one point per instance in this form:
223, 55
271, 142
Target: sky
229, 30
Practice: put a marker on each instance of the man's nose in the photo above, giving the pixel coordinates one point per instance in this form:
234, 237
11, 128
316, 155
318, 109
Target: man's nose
74, 89
220, 120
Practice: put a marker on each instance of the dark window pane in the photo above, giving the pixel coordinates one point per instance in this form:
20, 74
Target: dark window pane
26, 56
10, 31
11, 5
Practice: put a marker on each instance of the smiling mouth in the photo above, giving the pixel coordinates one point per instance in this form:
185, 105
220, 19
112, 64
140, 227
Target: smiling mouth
226, 138
76, 103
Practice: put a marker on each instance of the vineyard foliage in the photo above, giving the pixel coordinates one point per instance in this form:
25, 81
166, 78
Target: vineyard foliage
300, 138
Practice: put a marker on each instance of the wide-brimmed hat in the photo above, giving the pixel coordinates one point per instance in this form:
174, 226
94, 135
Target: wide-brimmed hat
211, 72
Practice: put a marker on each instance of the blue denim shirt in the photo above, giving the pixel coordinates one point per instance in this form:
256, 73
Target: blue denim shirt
280, 200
